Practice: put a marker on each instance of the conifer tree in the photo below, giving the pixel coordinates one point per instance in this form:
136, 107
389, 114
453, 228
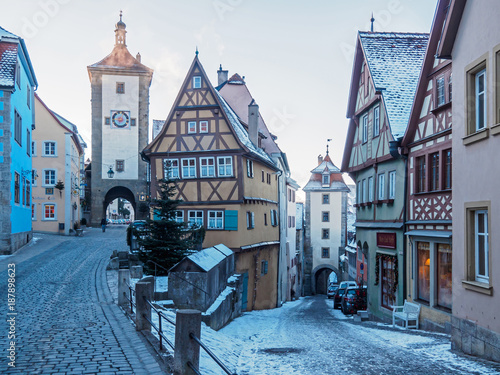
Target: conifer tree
163, 240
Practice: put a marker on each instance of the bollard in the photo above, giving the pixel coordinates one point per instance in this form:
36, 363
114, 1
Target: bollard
186, 349
123, 291
142, 307
136, 272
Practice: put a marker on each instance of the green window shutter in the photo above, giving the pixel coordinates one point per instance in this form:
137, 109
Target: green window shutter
231, 220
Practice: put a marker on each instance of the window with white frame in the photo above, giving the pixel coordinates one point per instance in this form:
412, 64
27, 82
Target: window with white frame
33, 211
392, 184
203, 126
370, 189
249, 168
381, 186
33, 148
49, 177
480, 99
365, 192
440, 99
49, 211
326, 179
179, 216
191, 127
225, 166
196, 82
376, 121
274, 218
33, 177
365, 128
188, 168
481, 245
171, 168
195, 217
215, 220
207, 167
250, 220
49, 148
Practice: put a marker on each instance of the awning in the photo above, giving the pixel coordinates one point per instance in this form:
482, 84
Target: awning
430, 233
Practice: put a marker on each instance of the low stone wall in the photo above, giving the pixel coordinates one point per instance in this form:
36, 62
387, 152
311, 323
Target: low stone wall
227, 306
472, 339
10, 244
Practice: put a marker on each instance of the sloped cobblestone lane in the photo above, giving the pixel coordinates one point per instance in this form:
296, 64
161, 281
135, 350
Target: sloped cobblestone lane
66, 322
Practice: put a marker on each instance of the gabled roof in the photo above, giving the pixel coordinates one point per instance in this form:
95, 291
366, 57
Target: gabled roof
430, 55
65, 124
238, 96
234, 122
450, 28
394, 61
8, 56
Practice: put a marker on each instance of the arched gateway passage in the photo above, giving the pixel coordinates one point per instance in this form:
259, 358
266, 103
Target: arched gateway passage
118, 192
320, 276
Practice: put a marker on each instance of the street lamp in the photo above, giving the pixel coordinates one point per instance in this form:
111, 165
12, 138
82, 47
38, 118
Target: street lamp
110, 172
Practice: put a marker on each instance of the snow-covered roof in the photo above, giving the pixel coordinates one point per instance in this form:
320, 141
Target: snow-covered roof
8, 58
241, 132
326, 166
394, 61
210, 257
334, 185
120, 58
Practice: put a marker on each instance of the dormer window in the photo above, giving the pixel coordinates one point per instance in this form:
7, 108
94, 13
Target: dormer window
326, 179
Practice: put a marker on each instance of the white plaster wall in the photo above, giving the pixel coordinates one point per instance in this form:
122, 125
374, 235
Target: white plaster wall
121, 144
335, 208
476, 171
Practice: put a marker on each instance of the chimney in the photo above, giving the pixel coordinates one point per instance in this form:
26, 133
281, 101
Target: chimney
221, 75
320, 159
253, 123
138, 57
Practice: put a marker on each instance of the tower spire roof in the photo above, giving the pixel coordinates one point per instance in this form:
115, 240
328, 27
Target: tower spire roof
120, 32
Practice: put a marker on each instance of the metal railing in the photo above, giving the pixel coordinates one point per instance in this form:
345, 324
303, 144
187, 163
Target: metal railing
130, 298
159, 328
212, 355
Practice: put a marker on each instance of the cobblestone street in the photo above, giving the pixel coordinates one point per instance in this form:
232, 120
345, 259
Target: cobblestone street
66, 321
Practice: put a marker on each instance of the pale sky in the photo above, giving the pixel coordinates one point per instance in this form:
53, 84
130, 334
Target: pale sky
296, 56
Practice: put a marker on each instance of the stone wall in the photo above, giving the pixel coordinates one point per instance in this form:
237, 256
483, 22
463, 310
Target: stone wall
473, 339
227, 306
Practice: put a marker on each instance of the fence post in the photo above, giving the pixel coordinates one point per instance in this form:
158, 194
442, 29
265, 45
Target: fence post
186, 349
142, 291
123, 292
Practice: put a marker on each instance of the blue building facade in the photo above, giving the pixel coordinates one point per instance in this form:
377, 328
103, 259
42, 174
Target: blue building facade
17, 115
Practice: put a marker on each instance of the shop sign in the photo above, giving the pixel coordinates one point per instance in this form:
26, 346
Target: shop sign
386, 240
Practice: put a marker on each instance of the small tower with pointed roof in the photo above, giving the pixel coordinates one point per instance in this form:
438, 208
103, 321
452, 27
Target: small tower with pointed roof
326, 225
120, 115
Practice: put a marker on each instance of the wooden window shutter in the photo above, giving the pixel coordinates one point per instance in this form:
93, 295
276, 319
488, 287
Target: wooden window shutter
231, 220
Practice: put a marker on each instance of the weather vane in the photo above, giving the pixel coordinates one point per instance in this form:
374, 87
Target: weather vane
328, 140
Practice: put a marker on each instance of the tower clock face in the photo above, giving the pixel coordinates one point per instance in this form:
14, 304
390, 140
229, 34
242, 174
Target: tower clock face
120, 119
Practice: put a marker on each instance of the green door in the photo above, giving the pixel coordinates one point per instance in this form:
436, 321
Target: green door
244, 295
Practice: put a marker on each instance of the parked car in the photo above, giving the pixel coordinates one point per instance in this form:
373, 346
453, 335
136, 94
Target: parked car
345, 284
332, 288
337, 298
354, 299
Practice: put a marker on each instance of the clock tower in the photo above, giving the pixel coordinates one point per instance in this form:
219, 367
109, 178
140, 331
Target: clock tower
120, 115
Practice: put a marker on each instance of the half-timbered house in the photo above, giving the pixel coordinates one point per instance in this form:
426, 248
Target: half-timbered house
385, 74
427, 143
227, 183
